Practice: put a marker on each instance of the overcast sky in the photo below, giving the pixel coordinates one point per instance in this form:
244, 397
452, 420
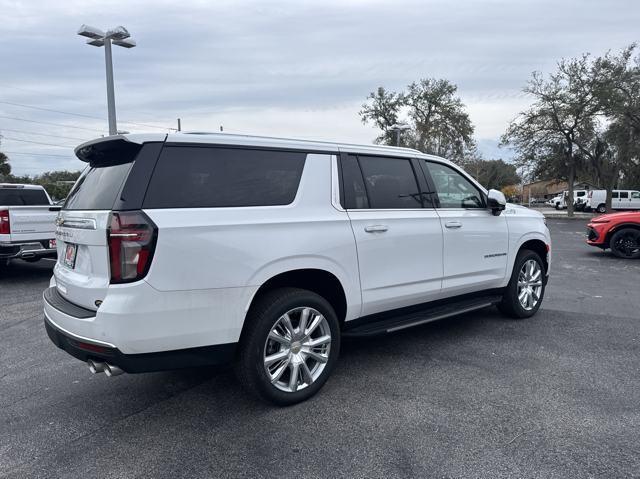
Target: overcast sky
284, 68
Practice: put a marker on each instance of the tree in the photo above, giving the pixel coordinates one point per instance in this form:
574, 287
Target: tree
438, 119
494, 174
564, 105
5, 167
612, 142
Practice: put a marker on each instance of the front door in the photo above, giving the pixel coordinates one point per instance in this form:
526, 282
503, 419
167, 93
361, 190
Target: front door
397, 232
476, 243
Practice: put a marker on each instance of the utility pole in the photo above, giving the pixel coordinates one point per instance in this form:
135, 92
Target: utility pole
179, 125
97, 38
398, 128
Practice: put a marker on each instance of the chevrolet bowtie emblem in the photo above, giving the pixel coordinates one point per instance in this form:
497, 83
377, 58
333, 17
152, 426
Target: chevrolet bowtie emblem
59, 221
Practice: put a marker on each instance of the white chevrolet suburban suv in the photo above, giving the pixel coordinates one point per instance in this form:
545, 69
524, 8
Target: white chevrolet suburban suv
196, 249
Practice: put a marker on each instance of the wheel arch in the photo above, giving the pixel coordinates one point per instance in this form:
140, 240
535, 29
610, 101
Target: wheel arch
320, 281
538, 245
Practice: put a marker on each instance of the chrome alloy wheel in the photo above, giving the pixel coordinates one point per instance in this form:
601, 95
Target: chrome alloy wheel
297, 349
530, 284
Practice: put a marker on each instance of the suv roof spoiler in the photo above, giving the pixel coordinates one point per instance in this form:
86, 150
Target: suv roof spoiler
110, 149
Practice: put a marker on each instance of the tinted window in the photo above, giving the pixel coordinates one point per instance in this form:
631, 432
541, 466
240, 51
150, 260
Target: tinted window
390, 182
192, 177
355, 195
453, 189
614, 194
624, 194
22, 197
97, 188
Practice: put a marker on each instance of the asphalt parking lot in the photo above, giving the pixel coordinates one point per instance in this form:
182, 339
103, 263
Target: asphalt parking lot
557, 395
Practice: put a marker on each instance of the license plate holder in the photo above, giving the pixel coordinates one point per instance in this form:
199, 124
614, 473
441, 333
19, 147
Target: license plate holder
70, 253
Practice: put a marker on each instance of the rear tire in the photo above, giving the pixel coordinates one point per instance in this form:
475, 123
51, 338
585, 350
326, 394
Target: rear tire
625, 243
295, 365
524, 293
601, 208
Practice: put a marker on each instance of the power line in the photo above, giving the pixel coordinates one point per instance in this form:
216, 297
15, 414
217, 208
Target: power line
37, 142
80, 115
42, 134
50, 123
36, 154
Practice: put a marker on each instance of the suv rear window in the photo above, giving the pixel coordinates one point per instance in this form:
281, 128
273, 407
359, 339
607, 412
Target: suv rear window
97, 187
22, 197
196, 177
109, 164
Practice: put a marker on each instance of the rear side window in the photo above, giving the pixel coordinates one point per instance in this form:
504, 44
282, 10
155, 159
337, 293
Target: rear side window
23, 197
97, 188
624, 195
390, 183
196, 177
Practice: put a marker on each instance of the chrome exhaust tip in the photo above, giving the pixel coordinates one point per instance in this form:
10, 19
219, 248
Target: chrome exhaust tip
95, 366
111, 370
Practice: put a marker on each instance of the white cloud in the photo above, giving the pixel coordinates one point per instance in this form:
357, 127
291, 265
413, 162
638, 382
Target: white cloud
290, 68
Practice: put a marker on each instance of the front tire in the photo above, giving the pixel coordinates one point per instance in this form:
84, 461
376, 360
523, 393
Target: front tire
625, 243
289, 347
524, 293
601, 208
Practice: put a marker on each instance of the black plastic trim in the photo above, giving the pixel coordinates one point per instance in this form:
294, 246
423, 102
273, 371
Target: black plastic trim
381, 323
134, 189
53, 297
147, 362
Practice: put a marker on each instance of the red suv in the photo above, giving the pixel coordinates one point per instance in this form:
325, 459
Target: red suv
618, 231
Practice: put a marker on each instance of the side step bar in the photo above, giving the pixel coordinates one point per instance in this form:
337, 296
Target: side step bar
389, 322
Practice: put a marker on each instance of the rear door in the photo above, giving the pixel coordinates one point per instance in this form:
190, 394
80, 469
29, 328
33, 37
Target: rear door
476, 243
397, 231
82, 271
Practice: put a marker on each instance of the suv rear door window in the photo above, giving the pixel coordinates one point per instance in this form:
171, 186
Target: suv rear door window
201, 177
390, 183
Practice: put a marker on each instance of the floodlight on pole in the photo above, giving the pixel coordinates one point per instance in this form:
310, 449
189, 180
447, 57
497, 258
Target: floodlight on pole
97, 38
398, 128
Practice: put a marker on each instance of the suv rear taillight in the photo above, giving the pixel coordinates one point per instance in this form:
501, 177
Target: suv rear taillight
132, 240
5, 224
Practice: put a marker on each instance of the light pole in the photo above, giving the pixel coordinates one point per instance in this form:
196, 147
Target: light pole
398, 128
97, 38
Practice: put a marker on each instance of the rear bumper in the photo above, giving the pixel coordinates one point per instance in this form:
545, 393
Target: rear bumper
85, 349
32, 250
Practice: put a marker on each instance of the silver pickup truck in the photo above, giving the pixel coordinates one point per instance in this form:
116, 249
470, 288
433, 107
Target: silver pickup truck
27, 223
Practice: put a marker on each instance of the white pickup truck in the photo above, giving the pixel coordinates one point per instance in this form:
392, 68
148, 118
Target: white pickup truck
27, 223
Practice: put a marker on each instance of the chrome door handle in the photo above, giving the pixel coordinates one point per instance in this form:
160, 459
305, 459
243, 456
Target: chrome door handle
453, 224
376, 228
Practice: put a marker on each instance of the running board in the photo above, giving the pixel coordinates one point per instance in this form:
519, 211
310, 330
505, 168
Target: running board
388, 323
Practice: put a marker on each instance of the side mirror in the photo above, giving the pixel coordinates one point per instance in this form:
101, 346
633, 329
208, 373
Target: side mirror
497, 202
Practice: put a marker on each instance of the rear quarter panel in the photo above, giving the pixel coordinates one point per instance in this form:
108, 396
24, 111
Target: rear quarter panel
213, 248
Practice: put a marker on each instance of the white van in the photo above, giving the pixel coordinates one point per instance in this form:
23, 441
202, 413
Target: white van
195, 249
620, 200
